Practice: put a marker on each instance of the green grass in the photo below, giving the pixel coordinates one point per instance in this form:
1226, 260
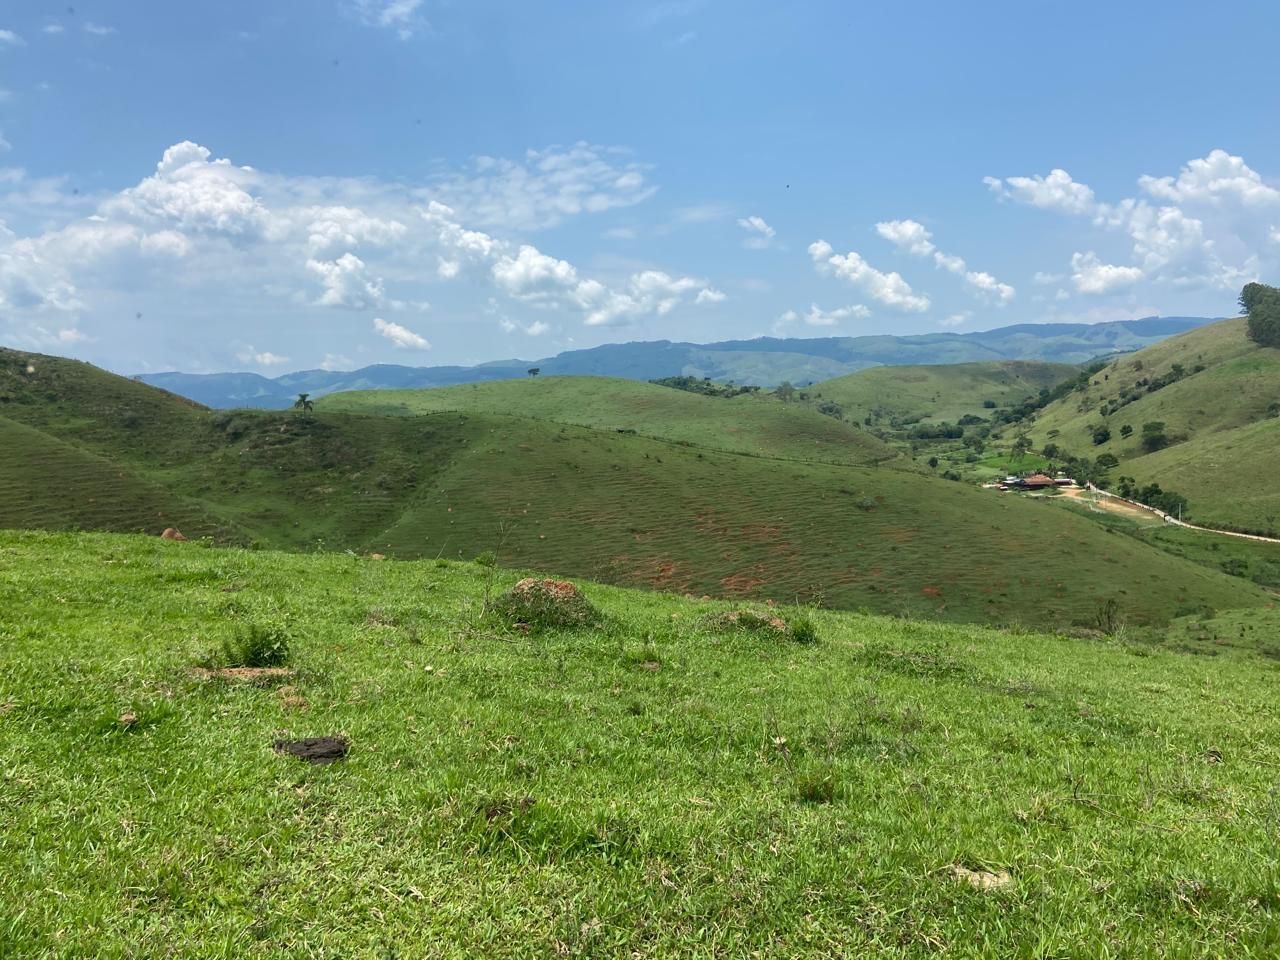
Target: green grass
1225, 451
610, 506
946, 392
644, 788
760, 426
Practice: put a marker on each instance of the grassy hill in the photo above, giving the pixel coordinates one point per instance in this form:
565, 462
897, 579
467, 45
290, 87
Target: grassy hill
945, 392
654, 787
1219, 408
757, 425
612, 506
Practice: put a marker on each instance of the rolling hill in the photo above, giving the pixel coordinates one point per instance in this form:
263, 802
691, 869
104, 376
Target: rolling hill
765, 361
758, 425
941, 392
1217, 395
618, 507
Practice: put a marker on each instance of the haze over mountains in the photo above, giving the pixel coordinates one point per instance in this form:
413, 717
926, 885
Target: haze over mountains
765, 361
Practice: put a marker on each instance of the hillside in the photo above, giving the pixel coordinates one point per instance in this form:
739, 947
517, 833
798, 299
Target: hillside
766, 361
761, 426
942, 392
613, 506
1217, 395
653, 787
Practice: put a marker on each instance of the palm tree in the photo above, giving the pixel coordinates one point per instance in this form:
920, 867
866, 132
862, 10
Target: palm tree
534, 371
303, 403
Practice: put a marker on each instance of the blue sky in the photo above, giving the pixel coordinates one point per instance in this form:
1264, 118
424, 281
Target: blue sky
297, 183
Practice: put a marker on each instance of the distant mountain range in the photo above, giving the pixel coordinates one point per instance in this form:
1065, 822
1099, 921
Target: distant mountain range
766, 361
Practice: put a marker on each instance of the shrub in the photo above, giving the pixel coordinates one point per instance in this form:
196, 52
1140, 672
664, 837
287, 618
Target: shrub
486, 558
1101, 435
256, 645
544, 603
803, 630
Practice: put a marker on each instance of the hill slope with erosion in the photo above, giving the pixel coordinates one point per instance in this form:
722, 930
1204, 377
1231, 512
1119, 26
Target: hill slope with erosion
757, 425
656, 786
616, 507
941, 392
1217, 395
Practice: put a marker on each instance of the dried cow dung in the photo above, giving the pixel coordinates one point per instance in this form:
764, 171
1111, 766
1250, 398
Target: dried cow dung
314, 749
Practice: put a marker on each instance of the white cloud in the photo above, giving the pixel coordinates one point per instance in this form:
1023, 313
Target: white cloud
1090, 275
1057, 191
889, 288
11, 38
447, 269
336, 361
70, 335
402, 337
1219, 176
399, 15
912, 237
955, 319
544, 189
701, 213
760, 234
265, 358
908, 236
1061, 295
51, 28
817, 317
710, 295
346, 283
537, 328
97, 29
1047, 279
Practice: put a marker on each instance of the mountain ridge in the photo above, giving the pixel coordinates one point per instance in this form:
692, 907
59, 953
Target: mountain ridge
766, 361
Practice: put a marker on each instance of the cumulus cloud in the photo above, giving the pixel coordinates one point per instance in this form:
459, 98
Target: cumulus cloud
888, 288
264, 358
545, 188
913, 238
357, 244
1169, 244
346, 283
1057, 191
402, 337
1090, 275
1217, 177
9, 38
955, 319
759, 233
815, 316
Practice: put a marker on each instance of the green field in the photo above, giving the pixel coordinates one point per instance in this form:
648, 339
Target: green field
946, 392
614, 507
647, 788
758, 425
1222, 422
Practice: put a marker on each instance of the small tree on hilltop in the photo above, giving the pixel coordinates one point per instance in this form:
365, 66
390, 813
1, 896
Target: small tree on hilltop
1261, 304
534, 371
304, 403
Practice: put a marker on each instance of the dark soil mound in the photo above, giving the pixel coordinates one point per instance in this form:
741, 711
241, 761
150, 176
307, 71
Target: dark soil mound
314, 749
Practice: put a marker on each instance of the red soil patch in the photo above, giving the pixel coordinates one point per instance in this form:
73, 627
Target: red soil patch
929, 590
741, 584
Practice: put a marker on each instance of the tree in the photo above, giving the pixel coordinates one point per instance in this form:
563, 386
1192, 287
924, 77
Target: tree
1020, 447
1107, 461
534, 371
1153, 436
1261, 304
304, 403
1126, 431
933, 463
1101, 435
785, 391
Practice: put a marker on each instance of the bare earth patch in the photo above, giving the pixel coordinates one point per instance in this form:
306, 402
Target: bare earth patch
314, 749
262, 676
981, 879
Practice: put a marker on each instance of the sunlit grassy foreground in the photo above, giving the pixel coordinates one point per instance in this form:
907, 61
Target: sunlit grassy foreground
646, 788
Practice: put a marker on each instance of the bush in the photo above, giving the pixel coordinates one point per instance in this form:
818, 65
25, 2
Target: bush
486, 558
803, 630
544, 603
256, 645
